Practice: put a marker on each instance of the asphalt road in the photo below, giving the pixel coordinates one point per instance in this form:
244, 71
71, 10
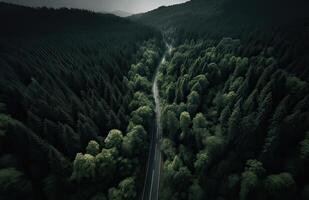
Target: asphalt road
152, 180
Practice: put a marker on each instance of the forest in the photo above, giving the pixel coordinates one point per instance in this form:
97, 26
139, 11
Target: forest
235, 124
78, 116
234, 93
74, 102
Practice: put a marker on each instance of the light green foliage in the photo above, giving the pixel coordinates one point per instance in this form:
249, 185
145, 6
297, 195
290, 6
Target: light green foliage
214, 146
130, 126
141, 83
150, 56
84, 167
140, 69
139, 99
229, 97
185, 123
201, 162
160, 78
93, 148
175, 63
176, 163
199, 122
193, 102
125, 191
134, 143
237, 86
232, 61
143, 116
179, 174
199, 83
197, 87
106, 161
199, 128
14, 183
113, 139
170, 107
210, 54
202, 81
167, 146
182, 107
127, 188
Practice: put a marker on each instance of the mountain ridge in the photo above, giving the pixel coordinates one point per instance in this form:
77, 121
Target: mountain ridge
224, 17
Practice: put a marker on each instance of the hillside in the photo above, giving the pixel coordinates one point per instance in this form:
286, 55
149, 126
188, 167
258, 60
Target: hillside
234, 95
219, 18
68, 83
208, 99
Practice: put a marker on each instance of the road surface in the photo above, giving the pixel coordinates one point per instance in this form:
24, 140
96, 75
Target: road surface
152, 180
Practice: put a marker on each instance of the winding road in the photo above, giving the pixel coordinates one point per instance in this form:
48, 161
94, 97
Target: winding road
152, 180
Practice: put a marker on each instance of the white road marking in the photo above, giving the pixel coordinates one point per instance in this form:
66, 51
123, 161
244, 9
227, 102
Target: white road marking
159, 175
151, 183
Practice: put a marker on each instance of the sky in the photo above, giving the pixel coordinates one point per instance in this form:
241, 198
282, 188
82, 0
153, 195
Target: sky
131, 6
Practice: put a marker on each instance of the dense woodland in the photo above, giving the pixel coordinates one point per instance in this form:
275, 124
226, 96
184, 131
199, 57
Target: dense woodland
235, 94
74, 100
235, 124
77, 111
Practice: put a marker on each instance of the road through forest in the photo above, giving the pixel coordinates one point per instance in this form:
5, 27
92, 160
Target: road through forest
152, 180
